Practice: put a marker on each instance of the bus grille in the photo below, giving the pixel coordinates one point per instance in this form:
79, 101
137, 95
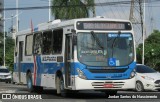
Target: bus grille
101, 84
108, 70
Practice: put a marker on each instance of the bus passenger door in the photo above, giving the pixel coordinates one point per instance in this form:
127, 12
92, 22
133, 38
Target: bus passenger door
68, 57
20, 59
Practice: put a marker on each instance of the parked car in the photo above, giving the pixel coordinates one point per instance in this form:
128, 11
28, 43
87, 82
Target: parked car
5, 75
147, 78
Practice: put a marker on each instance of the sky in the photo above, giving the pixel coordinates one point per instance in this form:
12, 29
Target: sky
120, 11
25, 16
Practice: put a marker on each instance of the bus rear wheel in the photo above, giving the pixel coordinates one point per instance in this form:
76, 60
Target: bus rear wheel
29, 82
38, 89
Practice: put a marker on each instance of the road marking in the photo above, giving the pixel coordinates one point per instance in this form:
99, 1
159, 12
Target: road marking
8, 91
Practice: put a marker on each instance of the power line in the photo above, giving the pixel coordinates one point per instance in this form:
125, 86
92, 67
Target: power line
60, 6
102, 7
112, 11
122, 2
117, 9
123, 10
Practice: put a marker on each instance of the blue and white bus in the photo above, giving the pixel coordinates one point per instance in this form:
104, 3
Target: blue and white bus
79, 54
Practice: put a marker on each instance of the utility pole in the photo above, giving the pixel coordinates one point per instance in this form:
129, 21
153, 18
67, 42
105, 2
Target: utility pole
141, 14
93, 11
131, 16
4, 31
17, 21
49, 9
85, 2
12, 23
136, 9
144, 31
49, 12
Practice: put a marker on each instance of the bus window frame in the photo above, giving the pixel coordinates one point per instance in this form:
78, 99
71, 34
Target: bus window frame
50, 30
58, 29
35, 33
26, 44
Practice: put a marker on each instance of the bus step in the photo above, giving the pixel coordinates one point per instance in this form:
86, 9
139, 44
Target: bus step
69, 87
20, 83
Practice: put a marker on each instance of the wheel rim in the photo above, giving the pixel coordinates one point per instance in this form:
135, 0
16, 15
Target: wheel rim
61, 85
29, 83
138, 87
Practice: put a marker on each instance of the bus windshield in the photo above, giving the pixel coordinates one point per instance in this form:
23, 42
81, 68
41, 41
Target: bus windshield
105, 49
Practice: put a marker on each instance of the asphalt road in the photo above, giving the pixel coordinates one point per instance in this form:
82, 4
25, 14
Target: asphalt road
49, 95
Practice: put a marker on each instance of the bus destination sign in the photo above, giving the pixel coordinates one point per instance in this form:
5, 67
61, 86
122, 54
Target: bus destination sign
99, 25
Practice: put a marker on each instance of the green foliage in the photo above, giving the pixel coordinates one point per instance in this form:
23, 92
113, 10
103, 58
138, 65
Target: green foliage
152, 51
71, 12
9, 55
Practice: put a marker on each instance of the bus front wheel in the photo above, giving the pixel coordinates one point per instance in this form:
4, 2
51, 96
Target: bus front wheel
60, 86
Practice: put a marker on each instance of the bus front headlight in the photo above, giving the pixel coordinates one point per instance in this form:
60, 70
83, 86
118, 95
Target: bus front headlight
132, 74
81, 74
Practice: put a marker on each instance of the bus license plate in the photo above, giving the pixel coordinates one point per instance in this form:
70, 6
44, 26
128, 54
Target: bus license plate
108, 85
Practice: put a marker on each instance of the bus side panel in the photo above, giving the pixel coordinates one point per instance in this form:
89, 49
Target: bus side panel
49, 72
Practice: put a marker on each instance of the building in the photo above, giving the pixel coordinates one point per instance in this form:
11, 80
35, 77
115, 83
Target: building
1, 15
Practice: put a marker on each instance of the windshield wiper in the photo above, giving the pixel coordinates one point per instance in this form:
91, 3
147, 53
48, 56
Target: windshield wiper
97, 40
119, 32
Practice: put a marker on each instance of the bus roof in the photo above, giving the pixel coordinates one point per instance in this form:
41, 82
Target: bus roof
58, 24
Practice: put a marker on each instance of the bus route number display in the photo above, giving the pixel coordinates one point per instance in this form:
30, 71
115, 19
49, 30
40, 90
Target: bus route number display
84, 25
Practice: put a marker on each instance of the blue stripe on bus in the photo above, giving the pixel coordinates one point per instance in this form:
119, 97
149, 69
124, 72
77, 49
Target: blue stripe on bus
51, 68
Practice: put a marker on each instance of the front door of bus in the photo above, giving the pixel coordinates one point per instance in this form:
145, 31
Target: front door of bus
20, 59
68, 57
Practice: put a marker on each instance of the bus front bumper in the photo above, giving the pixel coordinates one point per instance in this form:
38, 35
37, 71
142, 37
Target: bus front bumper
82, 84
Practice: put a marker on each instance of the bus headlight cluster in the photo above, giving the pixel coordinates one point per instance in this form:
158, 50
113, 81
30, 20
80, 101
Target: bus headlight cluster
132, 74
81, 74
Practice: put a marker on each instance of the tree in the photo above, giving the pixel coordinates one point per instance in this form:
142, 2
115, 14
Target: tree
152, 50
61, 9
9, 58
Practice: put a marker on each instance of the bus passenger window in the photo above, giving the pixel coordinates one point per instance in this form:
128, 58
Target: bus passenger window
37, 43
47, 40
29, 43
57, 41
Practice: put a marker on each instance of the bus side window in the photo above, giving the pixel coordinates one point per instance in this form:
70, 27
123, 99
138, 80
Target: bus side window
47, 39
29, 43
57, 41
37, 43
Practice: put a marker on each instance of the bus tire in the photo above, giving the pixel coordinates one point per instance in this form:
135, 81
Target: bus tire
29, 82
60, 86
38, 89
